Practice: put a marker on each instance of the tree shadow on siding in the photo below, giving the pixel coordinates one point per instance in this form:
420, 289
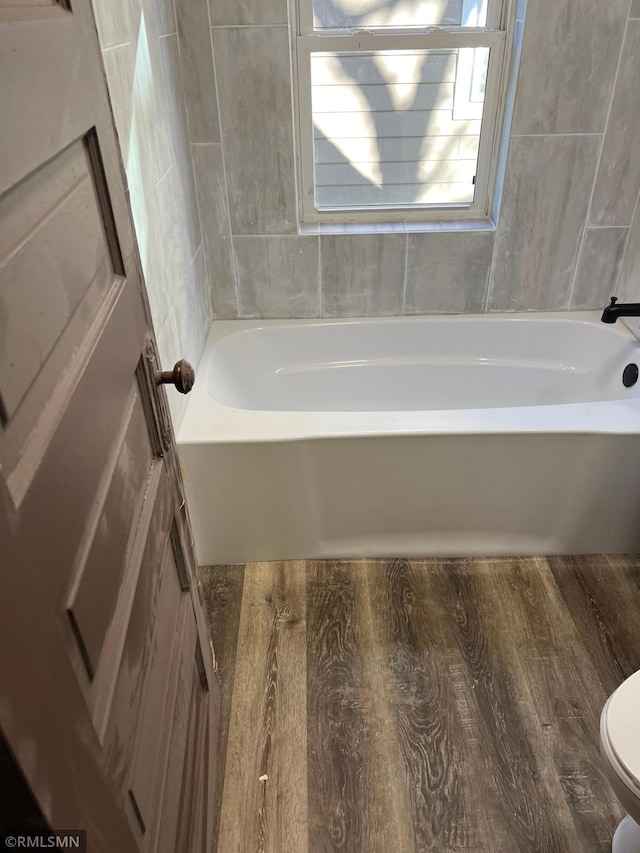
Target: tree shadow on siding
384, 114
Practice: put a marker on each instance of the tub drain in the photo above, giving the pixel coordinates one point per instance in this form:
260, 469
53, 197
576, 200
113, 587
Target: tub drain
630, 375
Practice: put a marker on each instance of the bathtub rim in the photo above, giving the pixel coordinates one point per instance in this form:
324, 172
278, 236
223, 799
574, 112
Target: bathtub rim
207, 420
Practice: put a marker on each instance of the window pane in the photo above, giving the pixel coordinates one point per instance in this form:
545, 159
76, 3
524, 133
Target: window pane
396, 127
338, 14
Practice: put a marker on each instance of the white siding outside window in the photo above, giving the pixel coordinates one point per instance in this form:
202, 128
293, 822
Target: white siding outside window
399, 104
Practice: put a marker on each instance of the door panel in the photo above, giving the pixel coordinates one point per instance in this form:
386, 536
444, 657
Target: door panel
198, 842
60, 274
99, 691
100, 610
181, 738
153, 588
152, 727
109, 534
192, 829
188, 798
67, 449
50, 216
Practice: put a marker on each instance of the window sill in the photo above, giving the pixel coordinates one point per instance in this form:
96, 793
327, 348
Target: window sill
395, 227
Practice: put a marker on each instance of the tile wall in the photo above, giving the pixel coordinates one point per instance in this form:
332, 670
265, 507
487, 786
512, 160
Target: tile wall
568, 231
152, 57
570, 188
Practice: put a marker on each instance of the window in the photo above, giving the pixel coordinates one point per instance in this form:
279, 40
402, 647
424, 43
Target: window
399, 106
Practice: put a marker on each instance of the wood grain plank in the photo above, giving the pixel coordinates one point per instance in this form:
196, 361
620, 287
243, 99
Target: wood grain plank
336, 726
356, 800
563, 697
389, 822
222, 590
412, 632
602, 594
520, 815
267, 732
339, 781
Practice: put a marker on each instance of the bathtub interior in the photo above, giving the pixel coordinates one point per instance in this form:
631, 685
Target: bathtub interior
420, 364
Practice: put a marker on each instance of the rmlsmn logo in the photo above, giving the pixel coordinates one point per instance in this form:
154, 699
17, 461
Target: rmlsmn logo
73, 839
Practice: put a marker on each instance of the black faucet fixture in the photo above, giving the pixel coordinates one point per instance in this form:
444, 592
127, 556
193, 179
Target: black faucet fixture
626, 309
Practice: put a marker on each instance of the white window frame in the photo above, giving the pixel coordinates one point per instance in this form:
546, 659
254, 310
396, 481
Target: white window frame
497, 35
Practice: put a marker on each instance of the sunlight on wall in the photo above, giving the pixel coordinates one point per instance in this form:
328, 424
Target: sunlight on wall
402, 71
331, 84
142, 87
386, 131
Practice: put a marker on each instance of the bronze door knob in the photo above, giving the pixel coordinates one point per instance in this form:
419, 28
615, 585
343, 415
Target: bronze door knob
182, 376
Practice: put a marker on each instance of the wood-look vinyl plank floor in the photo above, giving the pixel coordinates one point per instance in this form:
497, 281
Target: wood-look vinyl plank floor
402, 706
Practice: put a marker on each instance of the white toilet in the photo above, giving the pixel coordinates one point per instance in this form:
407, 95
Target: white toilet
620, 745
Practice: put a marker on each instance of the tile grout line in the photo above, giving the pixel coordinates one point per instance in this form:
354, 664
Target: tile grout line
195, 254
404, 277
116, 46
278, 26
613, 93
635, 219
537, 135
491, 277
293, 76
500, 178
574, 277
212, 311
605, 227
292, 30
488, 292
319, 276
599, 159
203, 238
224, 167
174, 162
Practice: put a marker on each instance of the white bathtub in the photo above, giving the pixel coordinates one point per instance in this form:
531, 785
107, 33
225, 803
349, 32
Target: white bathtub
429, 436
